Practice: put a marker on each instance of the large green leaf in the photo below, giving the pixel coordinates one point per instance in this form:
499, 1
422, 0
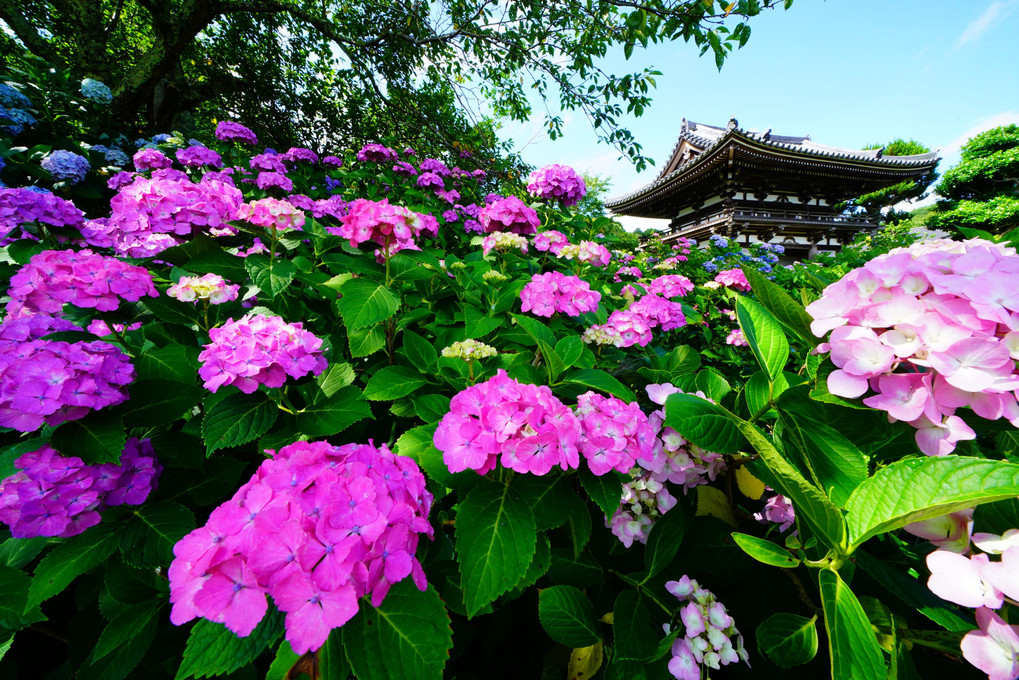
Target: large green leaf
787, 311
633, 629
568, 616
605, 490
71, 559
852, 647
764, 335
920, 488
549, 500
835, 463
365, 341
495, 541
664, 540
174, 362
570, 350
14, 612
335, 378
364, 303
422, 354
600, 380
154, 528
535, 329
393, 382
124, 626
788, 639
271, 275
238, 419
158, 402
172, 311
408, 636
705, 424
765, 551
212, 649
333, 414
99, 437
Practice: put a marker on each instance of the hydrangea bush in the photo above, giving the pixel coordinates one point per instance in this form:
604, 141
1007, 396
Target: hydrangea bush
359, 412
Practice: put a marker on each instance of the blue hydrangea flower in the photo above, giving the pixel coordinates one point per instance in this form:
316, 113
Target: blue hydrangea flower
66, 166
160, 138
710, 267
13, 99
96, 91
719, 241
778, 248
17, 120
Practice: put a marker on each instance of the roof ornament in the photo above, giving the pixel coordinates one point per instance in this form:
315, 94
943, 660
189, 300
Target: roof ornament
767, 135
733, 123
880, 152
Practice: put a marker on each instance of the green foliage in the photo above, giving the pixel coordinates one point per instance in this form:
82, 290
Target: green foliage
982, 191
789, 640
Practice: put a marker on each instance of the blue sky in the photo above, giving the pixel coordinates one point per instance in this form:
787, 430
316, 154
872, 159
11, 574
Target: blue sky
847, 72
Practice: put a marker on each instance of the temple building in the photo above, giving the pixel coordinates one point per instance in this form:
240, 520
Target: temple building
756, 186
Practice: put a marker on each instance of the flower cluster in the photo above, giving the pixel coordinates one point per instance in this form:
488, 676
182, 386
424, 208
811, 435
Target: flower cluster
503, 241
522, 425
259, 349
151, 159
65, 166
391, 226
268, 162
211, 287
627, 271
551, 241
297, 154
96, 91
469, 350
376, 153
613, 434
16, 108
198, 156
670, 286
733, 278
777, 510
47, 382
509, 214
81, 278
587, 252
929, 328
658, 311
271, 213
554, 292
710, 639
228, 131
623, 328
316, 527
23, 206
557, 183
273, 180
56, 495
112, 155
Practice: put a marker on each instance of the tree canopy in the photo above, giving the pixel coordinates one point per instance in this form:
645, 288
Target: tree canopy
313, 72
876, 202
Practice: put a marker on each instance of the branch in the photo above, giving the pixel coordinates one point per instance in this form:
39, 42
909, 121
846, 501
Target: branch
27, 32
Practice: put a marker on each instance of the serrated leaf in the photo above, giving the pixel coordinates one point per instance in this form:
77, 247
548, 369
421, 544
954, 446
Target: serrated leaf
212, 649
570, 350
431, 407
336, 377
712, 383
835, 463
153, 530
549, 500
271, 275
123, 627
566, 567
71, 559
97, 438
664, 541
238, 419
634, 632
407, 636
915, 489
174, 362
764, 335
600, 380
852, 647
14, 610
539, 564
172, 311
364, 303
789, 640
333, 414
781, 305
421, 353
495, 541
535, 329
158, 402
703, 423
393, 382
568, 616
765, 551
286, 659
605, 490
365, 341
683, 360
585, 662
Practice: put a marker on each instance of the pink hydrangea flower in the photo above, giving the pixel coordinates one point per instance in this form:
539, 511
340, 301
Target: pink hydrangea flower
670, 286
777, 510
198, 156
733, 278
271, 213
993, 647
229, 131
211, 287
659, 312
587, 252
557, 183
710, 638
554, 292
550, 241
393, 227
22, 207
509, 214
613, 433
376, 153
950, 532
151, 159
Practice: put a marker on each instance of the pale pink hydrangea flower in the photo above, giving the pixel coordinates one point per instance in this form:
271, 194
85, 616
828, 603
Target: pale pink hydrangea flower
272, 213
503, 241
392, 227
993, 647
670, 286
587, 252
211, 287
777, 510
710, 638
613, 433
950, 532
736, 338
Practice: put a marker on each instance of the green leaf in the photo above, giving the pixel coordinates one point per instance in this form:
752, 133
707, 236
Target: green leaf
119, 665
431, 407
99, 437
757, 392
495, 541
538, 567
683, 360
711, 382
336, 377
271, 275
14, 610
364, 303
153, 530
605, 490
212, 649
174, 362
417, 443
420, 352
633, 630
566, 567
549, 500
477, 325
787, 311
765, 551
238, 419
172, 311
600, 380
365, 341
705, 424
17, 552
408, 636
71, 559
159, 402
852, 647
569, 350
921, 488
664, 540
393, 382
333, 414
123, 627
835, 463
788, 639
764, 335
286, 659
568, 616
997, 518
535, 329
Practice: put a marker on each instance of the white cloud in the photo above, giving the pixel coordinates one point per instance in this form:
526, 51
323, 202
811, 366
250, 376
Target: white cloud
990, 16
951, 150
634, 223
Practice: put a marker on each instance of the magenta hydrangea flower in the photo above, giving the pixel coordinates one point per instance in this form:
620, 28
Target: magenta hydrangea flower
229, 131
587, 252
733, 278
376, 153
316, 528
333, 161
211, 287
509, 214
627, 271
268, 162
25, 206
391, 226
623, 328
80, 278
48, 382
299, 154
405, 169
501, 420
272, 213
659, 312
271, 180
551, 241
736, 338
56, 495
428, 180
670, 286
259, 350
613, 433
198, 156
151, 159
554, 292
557, 183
